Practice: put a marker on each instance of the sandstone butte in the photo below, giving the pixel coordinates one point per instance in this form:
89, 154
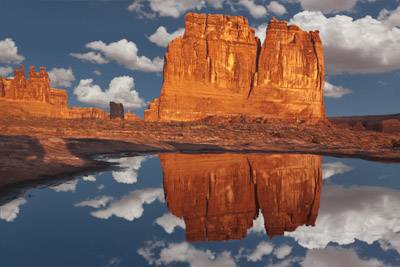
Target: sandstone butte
34, 97
219, 68
218, 196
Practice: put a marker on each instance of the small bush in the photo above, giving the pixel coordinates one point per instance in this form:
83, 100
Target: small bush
316, 140
396, 144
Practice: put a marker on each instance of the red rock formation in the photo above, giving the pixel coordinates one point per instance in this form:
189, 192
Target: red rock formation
290, 75
34, 97
219, 196
132, 117
219, 68
87, 113
36, 88
391, 126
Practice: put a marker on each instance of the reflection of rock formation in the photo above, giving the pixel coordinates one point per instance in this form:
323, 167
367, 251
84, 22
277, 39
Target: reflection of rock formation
288, 190
219, 196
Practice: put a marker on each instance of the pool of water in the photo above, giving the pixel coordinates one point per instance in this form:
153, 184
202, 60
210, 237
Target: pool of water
210, 210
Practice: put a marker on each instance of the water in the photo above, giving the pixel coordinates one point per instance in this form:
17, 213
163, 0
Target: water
211, 210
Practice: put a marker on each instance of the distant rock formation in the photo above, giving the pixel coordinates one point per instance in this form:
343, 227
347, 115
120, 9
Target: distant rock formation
219, 196
117, 111
34, 97
219, 68
380, 123
132, 117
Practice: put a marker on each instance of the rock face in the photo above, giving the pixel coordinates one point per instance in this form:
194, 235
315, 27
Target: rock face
34, 97
219, 196
218, 68
87, 113
116, 111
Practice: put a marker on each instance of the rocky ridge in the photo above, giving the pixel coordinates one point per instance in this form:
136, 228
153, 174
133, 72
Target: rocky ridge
34, 97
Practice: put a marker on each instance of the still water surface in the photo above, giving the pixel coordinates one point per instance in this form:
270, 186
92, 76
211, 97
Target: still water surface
210, 210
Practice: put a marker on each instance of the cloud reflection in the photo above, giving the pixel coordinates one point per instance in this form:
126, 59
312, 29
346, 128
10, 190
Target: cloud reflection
130, 167
365, 213
335, 257
184, 253
334, 168
169, 222
130, 207
96, 203
68, 186
10, 210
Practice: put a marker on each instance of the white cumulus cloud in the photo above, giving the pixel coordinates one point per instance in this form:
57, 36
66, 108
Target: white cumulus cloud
9, 52
121, 90
168, 8
10, 210
255, 10
92, 57
177, 8
61, 77
162, 37
364, 45
217, 4
391, 17
328, 6
130, 207
123, 52
276, 8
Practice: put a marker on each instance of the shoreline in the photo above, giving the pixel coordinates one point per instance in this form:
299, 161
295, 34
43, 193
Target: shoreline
46, 149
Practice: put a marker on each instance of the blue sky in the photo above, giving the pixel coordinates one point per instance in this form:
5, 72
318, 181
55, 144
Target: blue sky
361, 39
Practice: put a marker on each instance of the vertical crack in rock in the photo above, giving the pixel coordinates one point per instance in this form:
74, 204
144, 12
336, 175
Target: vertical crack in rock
254, 77
253, 179
317, 197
